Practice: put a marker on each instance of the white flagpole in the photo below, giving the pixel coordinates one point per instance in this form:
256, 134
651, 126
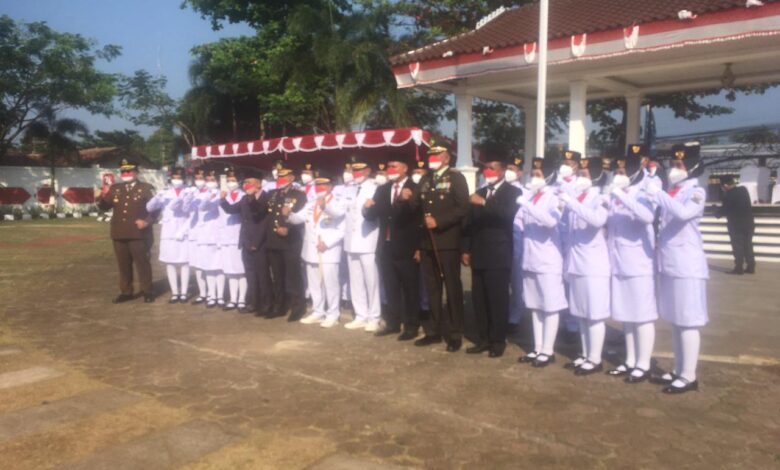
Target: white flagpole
541, 93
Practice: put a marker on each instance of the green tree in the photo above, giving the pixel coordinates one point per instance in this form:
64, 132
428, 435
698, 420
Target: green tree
44, 72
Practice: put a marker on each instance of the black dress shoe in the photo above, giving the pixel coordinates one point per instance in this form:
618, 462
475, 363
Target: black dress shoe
387, 332
407, 335
229, 306
454, 345
584, 370
122, 298
736, 271
541, 362
750, 270
575, 363
664, 379
428, 340
635, 379
174, 299
620, 370
148, 298
198, 300
528, 358
477, 349
496, 352
688, 387
294, 317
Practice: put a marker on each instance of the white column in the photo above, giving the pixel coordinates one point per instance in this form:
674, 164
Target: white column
577, 116
464, 106
633, 117
541, 85
529, 118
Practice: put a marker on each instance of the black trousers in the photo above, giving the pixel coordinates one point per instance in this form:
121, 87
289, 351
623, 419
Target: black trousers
490, 290
401, 278
258, 279
134, 252
287, 281
447, 320
742, 245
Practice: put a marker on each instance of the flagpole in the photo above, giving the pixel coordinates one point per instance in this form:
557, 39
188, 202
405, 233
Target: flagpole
541, 92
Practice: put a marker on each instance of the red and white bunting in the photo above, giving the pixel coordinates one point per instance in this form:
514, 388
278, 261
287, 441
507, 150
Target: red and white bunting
631, 36
529, 52
414, 69
360, 137
388, 136
578, 44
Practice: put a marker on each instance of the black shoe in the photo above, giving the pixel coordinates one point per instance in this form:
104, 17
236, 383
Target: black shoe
295, 316
211, 303
387, 331
454, 345
736, 271
635, 379
244, 308
496, 352
407, 335
528, 358
688, 387
477, 349
750, 270
148, 298
575, 363
198, 300
122, 298
539, 362
229, 306
428, 340
662, 379
620, 370
174, 299
582, 371
183, 298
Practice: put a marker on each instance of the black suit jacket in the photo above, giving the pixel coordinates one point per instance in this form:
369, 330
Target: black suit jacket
402, 219
446, 199
737, 208
488, 233
254, 222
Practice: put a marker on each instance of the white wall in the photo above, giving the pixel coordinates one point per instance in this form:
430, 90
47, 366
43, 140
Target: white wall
33, 178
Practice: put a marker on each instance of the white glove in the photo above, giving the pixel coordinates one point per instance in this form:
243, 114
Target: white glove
652, 189
521, 200
566, 198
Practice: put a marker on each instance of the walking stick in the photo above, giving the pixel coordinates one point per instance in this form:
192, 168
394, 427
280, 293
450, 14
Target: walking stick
435, 250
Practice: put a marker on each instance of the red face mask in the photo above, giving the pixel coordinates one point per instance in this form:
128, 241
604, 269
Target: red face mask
392, 171
281, 181
128, 174
357, 174
490, 173
248, 186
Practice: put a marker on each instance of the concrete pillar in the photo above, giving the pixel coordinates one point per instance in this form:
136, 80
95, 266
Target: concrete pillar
529, 120
464, 107
633, 117
578, 99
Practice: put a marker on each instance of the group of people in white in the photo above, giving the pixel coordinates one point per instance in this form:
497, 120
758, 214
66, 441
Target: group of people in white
593, 239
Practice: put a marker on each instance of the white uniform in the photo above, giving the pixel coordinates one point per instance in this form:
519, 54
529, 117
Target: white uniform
175, 218
344, 193
207, 204
516, 305
231, 261
322, 267
360, 240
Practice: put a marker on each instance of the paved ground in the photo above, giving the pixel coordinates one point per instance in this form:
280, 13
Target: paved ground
86, 384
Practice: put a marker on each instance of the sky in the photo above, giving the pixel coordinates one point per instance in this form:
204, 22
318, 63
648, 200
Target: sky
157, 35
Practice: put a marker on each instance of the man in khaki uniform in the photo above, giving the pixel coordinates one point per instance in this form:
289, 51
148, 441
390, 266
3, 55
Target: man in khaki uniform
131, 230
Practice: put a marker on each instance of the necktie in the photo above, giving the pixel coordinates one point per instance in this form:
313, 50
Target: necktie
491, 191
396, 190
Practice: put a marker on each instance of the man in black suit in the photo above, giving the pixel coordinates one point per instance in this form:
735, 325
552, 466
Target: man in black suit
398, 214
739, 218
444, 197
487, 248
252, 238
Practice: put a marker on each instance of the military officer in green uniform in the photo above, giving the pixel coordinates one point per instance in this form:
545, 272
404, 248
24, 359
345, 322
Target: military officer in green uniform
131, 230
444, 198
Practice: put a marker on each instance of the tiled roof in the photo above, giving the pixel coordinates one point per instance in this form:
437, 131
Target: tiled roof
520, 25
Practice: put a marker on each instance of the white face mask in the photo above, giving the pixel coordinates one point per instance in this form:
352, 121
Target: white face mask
491, 180
510, 176
306, 178
347, 176
232, 185
394, 176
621, 181
565, 171
275, 173
583, 184
177, 183
676, 175
128, 179
212, 185
536, 184
651, 171
380, 179
200, 183
434, 166
417, 177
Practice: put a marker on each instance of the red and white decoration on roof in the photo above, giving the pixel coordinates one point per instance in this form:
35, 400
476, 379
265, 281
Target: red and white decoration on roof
579, 43
313, 143
631, 36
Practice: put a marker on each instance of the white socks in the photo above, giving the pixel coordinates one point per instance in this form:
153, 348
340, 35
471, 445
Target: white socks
173, 278
550, 331
630, 335
536, 318
690, 340
211, 281
645, 340
242, 288
220, 279
233, 286
201, 280
592, 335
185, 279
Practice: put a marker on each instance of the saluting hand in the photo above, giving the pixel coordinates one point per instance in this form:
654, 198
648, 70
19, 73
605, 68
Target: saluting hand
465, 259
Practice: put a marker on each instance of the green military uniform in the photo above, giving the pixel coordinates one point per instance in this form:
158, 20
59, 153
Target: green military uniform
131, 244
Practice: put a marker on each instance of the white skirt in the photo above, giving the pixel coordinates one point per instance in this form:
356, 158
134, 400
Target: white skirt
192, 253
544, 292
683, 301
633, 299
230, 259
174, 251
589, 297
207, 258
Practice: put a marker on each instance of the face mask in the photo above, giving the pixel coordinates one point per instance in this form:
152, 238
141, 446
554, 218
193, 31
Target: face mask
434, 165
212, 185
347, 176
358, 176
128, 179
177, 183
393, 176
510, 176
583, 184
380, 179
281, 182
320, 190
536, 184
232, 185
416, 178
676, 175
651, 169
200, 183
565, 171
306, 178
275, 173
621, 181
